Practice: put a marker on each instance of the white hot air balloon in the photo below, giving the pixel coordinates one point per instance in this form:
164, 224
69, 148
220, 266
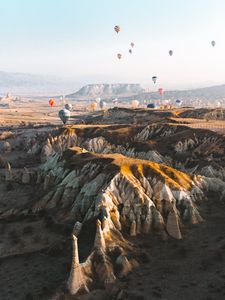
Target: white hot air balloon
64, 115
69, 106
97, 100
134, 104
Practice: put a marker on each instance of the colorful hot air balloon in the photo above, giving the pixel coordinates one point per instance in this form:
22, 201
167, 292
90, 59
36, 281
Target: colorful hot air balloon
130, 51
119, 55
154, 79
51, 102
64, 115
132, 44
69, 106
117, 28
213, 43
171, 52
161, 91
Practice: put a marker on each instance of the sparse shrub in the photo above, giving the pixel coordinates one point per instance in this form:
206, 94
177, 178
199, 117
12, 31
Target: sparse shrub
14, 237
9, 186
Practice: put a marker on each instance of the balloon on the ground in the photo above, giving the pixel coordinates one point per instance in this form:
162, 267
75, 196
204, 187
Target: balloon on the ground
154, 79
102, 104
134, 103
93, 106
117, 28
119, 55
213, 43
161, 91
51, 102
97, 100
171, 52
69, 106
151, 105
64, 115
178, 102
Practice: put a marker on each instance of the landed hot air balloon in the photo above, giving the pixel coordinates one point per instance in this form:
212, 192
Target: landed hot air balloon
130, 51
51, 102
102, 104
213, 43
97, 100
154, 79
64, 115
117, 28
171, 52
119, 55
93, 106
161, 91
134, 103
69, 106
178, 102
151, 105
132, 44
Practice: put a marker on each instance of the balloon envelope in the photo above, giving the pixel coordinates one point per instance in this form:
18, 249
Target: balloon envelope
64, 115
151, 105
213, 43
134, 103
161, 91
154, 79
132, 44
51, 102
117, 28
119, 55
69, 106
130, 51
171, 52
102, 104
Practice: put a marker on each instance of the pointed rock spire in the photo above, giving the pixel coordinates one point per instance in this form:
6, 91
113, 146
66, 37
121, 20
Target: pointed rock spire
76, 281
99, 238
172, 225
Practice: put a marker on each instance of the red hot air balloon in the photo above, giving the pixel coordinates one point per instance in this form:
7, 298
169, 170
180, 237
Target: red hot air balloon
51, 102
161, 91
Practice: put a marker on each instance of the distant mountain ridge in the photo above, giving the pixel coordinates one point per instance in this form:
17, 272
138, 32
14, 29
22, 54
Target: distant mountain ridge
107, 90
127, 92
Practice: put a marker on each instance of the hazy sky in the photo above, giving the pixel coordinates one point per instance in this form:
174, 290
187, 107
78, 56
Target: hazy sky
76, 39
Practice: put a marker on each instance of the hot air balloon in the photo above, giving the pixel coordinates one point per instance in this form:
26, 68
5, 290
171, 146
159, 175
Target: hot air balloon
171, 52
115, 101
178, 102
117, 28
154, 79
161, 91
102, 104
64, 115
130, 51
51, 102
69, 106
97, 100
134, 103
213, 43
119, 55
93, 106
151, 105
132, 44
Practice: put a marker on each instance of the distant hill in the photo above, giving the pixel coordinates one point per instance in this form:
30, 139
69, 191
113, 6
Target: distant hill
207, 93
30, 84
127, 92
107, 91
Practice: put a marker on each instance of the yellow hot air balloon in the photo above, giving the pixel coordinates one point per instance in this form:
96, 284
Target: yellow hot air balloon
93, 106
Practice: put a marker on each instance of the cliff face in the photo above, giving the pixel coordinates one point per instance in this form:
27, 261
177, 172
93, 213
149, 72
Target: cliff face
107, 90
